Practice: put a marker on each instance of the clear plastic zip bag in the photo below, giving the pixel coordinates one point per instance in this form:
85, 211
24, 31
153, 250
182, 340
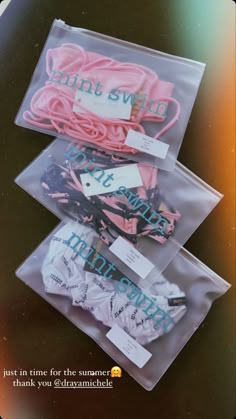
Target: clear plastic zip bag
143, 330
154, 210
110, 94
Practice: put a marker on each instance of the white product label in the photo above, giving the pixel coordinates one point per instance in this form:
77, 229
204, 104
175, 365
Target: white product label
131, 257
101, 105
109, 180
128, 346
146, 144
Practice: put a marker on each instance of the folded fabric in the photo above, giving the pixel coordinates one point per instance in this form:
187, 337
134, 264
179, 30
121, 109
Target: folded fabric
110, 214
63, 273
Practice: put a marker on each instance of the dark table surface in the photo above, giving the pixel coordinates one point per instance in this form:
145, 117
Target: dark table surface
200, 383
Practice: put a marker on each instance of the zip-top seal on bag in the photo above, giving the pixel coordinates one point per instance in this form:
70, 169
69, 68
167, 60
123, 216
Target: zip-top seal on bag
113, 95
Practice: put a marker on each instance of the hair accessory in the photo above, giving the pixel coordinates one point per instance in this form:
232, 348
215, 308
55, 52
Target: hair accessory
63, 274
71, 68
110, 214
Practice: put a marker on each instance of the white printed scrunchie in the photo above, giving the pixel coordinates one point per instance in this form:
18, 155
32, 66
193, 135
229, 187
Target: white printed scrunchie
63, 274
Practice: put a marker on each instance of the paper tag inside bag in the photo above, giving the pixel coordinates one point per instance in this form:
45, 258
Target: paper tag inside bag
146, 144
131, 257
109, 180
128, 346
101, 105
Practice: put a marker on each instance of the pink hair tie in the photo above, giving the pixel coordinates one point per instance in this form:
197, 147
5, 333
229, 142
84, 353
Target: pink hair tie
52, 106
